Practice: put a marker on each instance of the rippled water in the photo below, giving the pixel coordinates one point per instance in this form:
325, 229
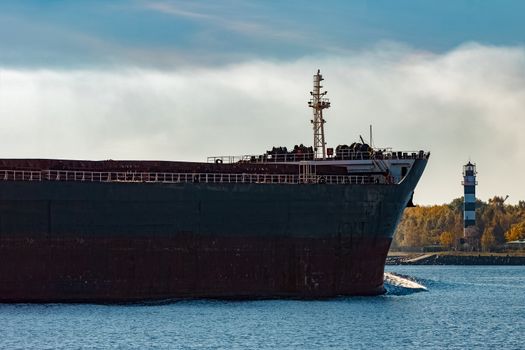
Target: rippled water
464, 307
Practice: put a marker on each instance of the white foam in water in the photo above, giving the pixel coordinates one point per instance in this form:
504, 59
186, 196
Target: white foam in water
399, 285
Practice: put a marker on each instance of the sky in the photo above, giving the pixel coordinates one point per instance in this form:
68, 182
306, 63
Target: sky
183, 80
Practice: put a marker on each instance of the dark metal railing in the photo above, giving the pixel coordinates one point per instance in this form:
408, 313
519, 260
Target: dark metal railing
159, 177
341, 155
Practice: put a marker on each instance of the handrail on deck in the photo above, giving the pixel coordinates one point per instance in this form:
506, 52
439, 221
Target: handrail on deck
162, 177
385, 154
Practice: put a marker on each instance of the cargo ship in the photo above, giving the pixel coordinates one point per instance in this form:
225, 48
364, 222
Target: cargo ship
312, 222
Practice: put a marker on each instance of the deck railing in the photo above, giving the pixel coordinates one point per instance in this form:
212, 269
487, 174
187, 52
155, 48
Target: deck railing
159, 177
298, 157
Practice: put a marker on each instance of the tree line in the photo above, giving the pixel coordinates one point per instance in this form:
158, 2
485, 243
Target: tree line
496, 224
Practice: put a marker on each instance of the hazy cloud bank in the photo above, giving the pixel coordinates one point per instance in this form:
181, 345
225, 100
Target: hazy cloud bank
469, 102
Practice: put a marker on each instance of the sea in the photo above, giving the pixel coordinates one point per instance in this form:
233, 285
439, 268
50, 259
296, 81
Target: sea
440, 307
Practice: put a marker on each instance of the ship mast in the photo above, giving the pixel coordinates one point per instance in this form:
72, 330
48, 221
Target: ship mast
318, 102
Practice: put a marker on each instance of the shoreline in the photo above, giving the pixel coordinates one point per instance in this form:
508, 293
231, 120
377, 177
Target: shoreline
456, 258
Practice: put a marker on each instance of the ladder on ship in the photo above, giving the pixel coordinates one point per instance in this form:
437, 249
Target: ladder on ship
307, 172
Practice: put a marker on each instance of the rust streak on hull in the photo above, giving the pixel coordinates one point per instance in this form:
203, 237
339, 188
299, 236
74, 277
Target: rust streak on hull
130, 270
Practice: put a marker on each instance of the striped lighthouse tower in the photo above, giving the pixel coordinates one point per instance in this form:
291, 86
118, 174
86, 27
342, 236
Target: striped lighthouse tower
469, 184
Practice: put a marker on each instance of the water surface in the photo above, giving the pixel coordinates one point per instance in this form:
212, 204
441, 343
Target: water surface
464, 307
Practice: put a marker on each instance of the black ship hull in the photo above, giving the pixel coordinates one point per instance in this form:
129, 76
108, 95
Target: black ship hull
125, 242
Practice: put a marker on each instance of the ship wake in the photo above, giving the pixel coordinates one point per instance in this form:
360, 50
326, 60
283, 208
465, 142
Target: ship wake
401, 285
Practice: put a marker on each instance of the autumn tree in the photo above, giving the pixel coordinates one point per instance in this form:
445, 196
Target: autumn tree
488, 240
447, 239
424, 225
516, 231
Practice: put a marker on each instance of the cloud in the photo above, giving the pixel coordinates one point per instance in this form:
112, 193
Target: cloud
464, 104
175, 10
248, 26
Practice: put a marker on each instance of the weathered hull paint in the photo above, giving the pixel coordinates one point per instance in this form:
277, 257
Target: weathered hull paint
117, 270
112, 242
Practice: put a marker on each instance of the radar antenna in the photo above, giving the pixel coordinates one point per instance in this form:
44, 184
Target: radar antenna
318, 102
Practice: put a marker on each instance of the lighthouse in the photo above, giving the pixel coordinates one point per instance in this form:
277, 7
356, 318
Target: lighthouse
469, 207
